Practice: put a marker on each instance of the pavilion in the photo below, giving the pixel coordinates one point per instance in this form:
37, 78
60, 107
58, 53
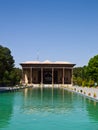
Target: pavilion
47, 72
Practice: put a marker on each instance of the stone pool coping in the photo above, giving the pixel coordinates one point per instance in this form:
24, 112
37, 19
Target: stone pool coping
8, 89
91, 93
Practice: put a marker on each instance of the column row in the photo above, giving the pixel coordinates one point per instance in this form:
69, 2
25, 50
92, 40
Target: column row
48, 76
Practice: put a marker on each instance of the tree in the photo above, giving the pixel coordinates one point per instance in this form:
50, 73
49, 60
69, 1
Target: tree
15, 76
6, 65
88, 75
80, 76
92, 69
77, 71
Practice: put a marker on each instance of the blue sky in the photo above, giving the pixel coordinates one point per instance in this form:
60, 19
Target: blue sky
65, 30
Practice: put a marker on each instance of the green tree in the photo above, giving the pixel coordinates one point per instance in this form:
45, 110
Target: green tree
79, 81
92, 69
6, 65
84, 83
77, 72
91, 83
80, 76
88, 75
15, 76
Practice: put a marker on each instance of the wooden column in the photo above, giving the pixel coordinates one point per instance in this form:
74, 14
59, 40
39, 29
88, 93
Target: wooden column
41, 75
23, 77
63, 76
71, 76
31, 75
26, 77
52, 76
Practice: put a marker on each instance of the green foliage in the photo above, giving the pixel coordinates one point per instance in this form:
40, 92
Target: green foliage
15, 76
91, 83
92, 68
88, 75
80, 76
77, 72
79, 81
8, 74
74, 80
6, 59
84, 83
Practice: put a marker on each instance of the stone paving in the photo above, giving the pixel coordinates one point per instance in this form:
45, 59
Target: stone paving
86, 91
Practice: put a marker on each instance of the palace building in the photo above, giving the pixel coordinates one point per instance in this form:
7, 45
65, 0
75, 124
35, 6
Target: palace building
36, 72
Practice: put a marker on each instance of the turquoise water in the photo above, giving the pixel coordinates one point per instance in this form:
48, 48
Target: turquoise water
47, 109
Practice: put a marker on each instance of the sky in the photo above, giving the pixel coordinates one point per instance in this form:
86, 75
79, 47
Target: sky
55, 30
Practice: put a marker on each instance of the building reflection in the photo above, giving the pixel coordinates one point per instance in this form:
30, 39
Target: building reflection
58, 100
47, 99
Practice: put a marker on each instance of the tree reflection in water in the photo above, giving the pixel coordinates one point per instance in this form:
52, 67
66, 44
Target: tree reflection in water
92, 109
6, 108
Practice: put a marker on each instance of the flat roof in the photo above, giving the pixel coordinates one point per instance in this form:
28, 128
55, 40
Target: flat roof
46, 62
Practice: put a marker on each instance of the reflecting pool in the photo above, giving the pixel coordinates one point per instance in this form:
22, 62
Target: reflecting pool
47, 109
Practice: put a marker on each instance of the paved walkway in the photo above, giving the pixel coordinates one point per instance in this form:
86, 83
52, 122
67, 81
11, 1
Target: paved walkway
89, 92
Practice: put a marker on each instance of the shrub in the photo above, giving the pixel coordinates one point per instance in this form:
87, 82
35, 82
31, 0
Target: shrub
84, 92
91, 83
89, 94
81, 90
94, 95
